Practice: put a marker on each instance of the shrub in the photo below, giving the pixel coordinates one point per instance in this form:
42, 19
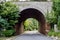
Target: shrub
54, 15
51, 18
9, 14
56, 9
8, 33
52, 33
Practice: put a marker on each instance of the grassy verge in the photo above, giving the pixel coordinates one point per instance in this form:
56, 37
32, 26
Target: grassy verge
52, 33
2, 38
7, 38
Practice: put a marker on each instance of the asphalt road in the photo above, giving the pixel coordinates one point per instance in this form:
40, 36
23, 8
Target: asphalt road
33, 37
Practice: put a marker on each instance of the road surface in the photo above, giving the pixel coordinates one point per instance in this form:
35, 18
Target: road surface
32, 36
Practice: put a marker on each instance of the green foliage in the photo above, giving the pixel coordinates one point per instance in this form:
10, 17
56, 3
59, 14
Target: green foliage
9, 14
14, 0
9, 11
56, 0
31, 24
51, 18
3, 23
58, 23
52, 33
38, 0
8, 33
56, 9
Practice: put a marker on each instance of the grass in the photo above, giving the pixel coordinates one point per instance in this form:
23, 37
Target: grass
52, 33
2, 38
7, 38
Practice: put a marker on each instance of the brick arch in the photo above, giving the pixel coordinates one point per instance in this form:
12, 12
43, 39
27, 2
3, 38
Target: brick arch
31, 13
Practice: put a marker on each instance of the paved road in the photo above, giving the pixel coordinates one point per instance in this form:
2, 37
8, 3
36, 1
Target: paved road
33, 37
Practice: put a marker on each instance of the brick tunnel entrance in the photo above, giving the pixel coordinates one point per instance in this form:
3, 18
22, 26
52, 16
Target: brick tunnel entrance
31, 13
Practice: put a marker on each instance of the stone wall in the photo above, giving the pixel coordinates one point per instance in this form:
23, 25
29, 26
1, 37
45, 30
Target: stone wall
41, 6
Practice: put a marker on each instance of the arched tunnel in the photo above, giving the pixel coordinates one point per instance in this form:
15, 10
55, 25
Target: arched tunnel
31, 13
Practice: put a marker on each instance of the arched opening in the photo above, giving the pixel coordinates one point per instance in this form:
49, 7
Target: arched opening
31, 13
31, 25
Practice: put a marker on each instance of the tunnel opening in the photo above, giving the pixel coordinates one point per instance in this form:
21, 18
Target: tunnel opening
31, 13
31, 24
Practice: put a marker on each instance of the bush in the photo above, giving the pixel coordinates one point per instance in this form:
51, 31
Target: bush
8, 33
56, 9
51, 18
9, 14
52, 33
